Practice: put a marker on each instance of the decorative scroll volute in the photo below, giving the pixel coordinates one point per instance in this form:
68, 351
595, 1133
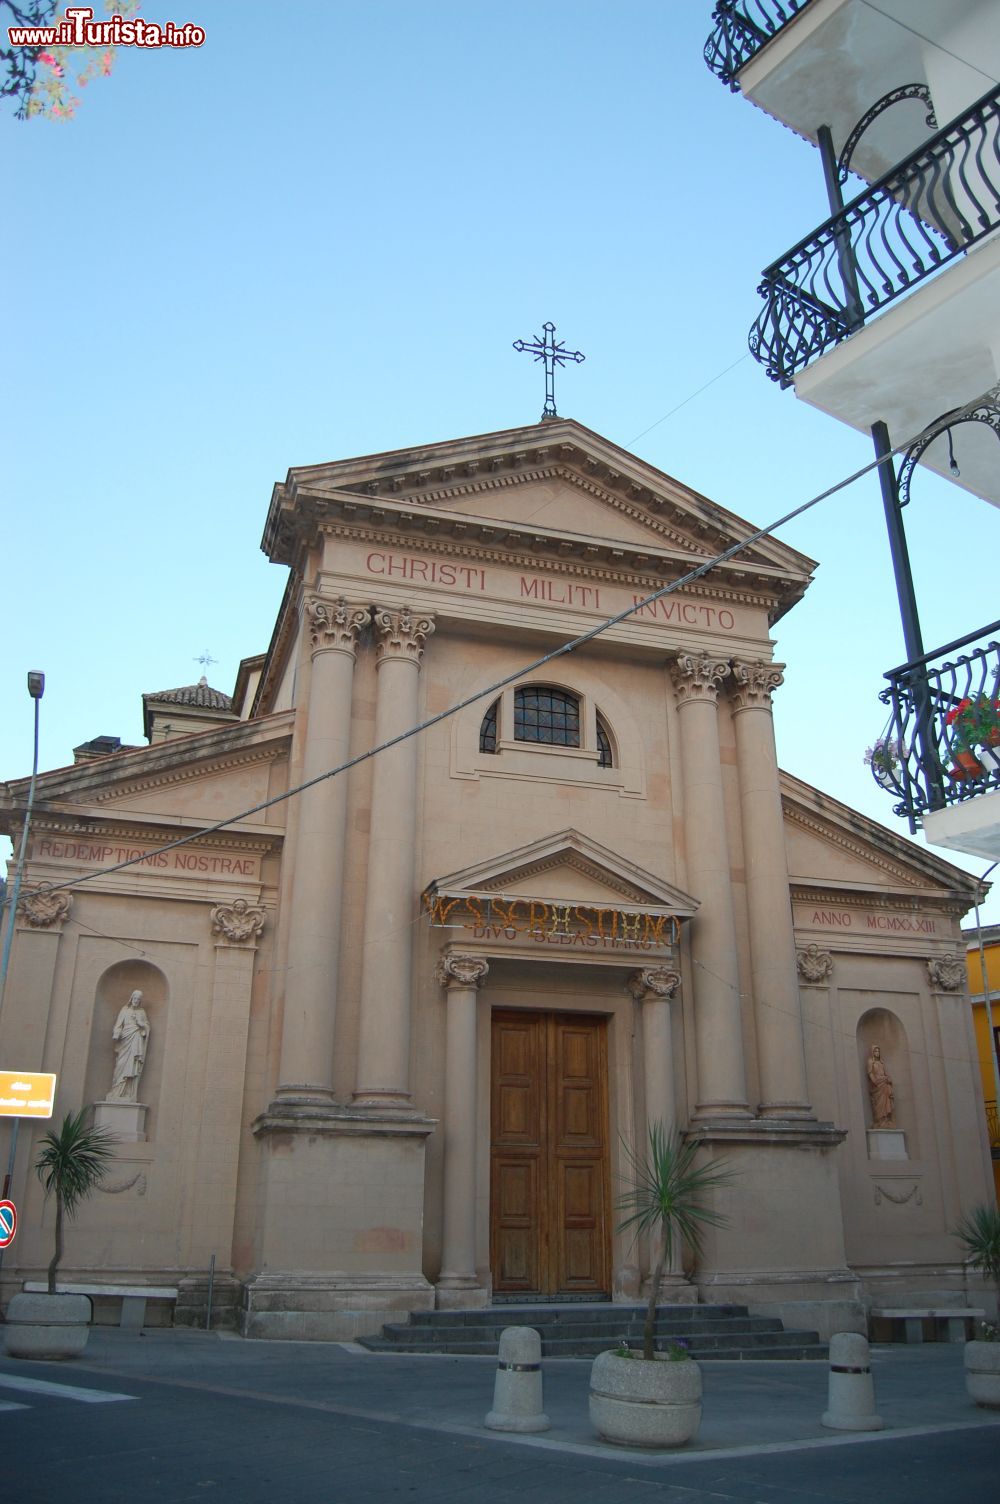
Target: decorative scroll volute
44, 910
947, 973
335, 624
698, 676
401, 634
461, 971
653, 981
814, 965
238, 922
754, 683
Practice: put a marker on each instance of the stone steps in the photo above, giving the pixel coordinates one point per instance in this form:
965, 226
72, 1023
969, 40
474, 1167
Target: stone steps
584, 1330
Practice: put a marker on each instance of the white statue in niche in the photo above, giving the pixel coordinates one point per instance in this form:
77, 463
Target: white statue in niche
880, 1090
131, 1037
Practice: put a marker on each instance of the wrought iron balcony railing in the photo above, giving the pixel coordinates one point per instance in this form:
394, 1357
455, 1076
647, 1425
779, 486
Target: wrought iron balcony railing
943, 742
993, 1123
921, 215
742, 27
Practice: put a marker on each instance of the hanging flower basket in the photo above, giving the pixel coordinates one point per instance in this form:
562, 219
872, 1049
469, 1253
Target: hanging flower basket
883, 759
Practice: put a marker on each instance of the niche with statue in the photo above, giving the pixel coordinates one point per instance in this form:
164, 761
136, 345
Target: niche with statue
122, 1069
884, 1058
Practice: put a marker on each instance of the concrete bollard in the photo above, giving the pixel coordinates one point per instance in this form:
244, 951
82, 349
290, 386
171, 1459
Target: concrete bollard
851, 1401
517, 1393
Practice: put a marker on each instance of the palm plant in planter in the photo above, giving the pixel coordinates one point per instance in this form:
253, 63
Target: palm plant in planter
655, 1399
71, 1162
979, 1234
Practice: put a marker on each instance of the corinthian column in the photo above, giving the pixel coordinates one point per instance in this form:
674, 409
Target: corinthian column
461, 976
317, 880
715, 980
777, 1005
383, 1077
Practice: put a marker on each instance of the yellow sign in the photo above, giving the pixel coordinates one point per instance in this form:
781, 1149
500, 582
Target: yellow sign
26, 1094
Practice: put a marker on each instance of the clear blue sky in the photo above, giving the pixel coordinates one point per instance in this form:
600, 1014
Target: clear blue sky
318, 236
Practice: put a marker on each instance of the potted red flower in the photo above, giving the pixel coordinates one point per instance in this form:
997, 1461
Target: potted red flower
975, 728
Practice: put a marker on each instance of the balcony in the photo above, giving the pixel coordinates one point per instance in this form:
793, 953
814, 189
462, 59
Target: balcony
942, 745
993, 1127
929, 210
742, 28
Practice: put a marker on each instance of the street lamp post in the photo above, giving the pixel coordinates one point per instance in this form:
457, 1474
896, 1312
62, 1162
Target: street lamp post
36, 688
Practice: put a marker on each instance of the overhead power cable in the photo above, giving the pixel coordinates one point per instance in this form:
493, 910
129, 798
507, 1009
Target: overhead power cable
492, 689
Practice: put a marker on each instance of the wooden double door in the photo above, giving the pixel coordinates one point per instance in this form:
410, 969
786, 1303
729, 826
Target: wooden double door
549, 1180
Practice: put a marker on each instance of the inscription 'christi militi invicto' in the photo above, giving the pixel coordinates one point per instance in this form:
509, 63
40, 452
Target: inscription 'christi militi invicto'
677, 609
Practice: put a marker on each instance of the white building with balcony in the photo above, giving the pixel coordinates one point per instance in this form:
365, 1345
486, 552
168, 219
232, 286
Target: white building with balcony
887, 317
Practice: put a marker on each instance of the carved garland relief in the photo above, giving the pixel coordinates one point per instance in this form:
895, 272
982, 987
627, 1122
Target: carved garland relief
44, 910
238, 921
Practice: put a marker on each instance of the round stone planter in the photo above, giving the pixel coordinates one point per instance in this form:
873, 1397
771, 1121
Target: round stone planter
47, 1326
982, 1373
635, 1403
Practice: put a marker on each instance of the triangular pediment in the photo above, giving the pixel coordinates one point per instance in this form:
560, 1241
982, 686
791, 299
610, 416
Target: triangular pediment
555, 486
204, 777
566, 868
831, 847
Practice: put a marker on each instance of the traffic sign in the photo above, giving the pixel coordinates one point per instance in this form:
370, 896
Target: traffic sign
8, 1223
26, 1094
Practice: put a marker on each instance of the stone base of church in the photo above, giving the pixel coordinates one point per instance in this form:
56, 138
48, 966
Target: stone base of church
675, 1290
781, 1251
461, 1297
340, 1225
930, 1286
329, 1308
215, 1303
813, 1300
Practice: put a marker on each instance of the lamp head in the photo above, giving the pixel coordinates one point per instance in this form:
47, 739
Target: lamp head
36, 684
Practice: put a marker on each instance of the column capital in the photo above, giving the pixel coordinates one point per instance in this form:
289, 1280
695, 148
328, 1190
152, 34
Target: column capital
814, 965
334, 625
237, 922
461, 971
43, 910
697, 676
401, 634
653, 981
754, 683
947, 973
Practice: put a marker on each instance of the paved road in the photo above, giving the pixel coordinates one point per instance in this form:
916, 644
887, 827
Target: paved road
174, 1417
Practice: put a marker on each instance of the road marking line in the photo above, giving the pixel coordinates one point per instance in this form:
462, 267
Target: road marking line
61, 1391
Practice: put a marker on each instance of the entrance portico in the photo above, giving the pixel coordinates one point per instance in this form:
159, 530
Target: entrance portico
554, 1057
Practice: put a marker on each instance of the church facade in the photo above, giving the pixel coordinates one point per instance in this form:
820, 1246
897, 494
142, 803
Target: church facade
404, 1026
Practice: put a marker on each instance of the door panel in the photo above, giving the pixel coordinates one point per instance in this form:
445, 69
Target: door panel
549, 1157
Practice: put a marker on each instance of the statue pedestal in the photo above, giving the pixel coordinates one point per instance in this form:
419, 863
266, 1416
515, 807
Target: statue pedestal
887, 1143
126, 1120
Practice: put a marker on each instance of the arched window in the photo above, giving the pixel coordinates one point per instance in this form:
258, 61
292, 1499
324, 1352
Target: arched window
488, 730
605, 757
546, 715
546, 719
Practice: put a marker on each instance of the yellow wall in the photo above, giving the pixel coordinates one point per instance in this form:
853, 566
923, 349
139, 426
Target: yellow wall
991, 949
